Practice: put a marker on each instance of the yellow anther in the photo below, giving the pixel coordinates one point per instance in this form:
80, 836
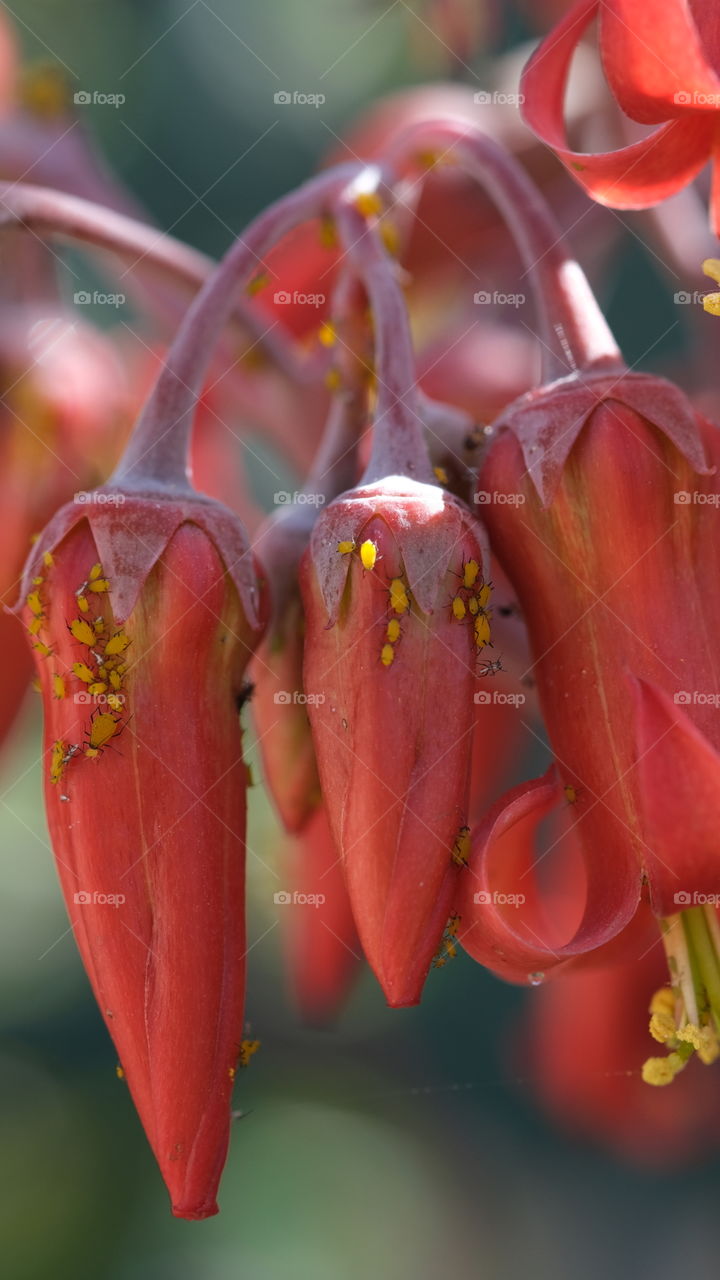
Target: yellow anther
82, 631
459, 608
711, 301
368, 203
662, 1027
368, 554
660, 1071
663, 1001
326, 334
58, 685
471, 570
703, 1040
393, 630
399, 602
344, 548
387, 655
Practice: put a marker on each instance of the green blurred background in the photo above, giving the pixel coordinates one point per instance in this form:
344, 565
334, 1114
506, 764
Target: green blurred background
402, 1145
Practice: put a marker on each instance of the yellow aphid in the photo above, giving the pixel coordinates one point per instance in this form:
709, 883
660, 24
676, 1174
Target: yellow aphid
570, 794
344, 548
256, 284
326, 334
57, 760
332, 380
328, 233
35, 626
48, 559
399, 602
37, 582
247, 1049
95, 572
83, 605
387, 655
100, 584
99, 626
102, 729
458, 608
119, 1072
58, 685
453, 925
484, 594
461, 848
83, 672
393, 630
441, 475
114, 701
232, 1072
473, 605
115, 680
82, 631
482, 630
97, 688
368, 554
368, 203
117, 643
471, 570
34, 603
42, 649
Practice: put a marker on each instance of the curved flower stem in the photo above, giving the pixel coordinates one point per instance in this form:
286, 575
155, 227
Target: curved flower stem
575, 335
398, 446
159, 445
43, 211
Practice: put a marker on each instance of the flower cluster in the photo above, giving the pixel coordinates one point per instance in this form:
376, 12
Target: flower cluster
471, 555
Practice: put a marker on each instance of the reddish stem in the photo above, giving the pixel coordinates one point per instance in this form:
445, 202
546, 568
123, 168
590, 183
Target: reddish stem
398, 446
575, 335
159, 447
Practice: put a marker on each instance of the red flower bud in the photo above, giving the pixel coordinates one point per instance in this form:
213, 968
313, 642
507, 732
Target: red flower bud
392, 651
141, 612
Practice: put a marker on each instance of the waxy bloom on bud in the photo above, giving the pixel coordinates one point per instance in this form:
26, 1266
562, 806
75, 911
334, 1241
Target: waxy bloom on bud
141, 612
397, 619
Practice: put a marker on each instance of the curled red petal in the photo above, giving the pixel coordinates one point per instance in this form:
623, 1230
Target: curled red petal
634, 177
654, 59
679, 781
513, 937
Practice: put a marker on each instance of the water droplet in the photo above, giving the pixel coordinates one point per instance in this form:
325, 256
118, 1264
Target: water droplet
535, 979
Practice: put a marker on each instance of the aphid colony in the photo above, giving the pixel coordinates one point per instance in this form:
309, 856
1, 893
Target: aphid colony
470, 603
101, 669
